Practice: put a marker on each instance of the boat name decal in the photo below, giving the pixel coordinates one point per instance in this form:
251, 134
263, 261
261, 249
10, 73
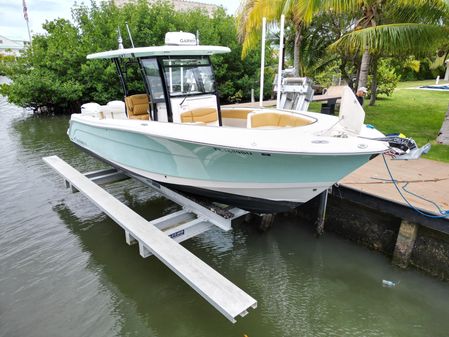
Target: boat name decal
176, 234
233, 151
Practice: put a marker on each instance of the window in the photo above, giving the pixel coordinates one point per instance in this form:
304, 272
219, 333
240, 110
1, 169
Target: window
153, 78
188, 75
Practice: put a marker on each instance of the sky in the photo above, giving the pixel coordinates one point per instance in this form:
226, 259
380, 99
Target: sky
13, 25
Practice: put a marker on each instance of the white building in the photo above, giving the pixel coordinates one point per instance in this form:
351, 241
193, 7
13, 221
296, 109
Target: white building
179, 5
11, 47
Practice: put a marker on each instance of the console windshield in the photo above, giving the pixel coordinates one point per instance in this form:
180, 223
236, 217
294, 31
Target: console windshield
186, 76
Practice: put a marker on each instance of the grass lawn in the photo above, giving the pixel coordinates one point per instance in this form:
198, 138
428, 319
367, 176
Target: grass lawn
416, 113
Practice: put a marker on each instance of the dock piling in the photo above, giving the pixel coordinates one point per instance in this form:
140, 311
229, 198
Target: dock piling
266, 221
404, 244
321, 213
129, 239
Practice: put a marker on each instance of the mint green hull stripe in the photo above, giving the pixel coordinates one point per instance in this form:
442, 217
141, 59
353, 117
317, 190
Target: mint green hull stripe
202, 162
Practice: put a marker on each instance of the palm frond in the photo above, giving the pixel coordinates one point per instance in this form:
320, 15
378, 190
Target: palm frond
249, 19
394, 39
417, 11
308, 8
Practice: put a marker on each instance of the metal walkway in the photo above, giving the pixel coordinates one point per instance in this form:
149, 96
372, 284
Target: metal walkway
160, 237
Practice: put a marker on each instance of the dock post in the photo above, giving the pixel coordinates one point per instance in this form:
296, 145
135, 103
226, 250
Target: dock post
321, 213
404, 244
266, 221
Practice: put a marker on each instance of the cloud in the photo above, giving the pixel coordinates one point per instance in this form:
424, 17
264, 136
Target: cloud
47, 6
8, 5
13, 25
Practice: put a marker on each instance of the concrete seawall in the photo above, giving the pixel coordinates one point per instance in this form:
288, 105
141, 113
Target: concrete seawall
384, 232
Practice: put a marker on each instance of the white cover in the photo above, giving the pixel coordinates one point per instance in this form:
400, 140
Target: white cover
90, 109
180, 39
351, 114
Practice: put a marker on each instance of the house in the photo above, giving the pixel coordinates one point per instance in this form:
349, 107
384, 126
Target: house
11, 47
179, 5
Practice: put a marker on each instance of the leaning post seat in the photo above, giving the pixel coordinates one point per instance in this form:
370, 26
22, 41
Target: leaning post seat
200, 115
273, 119
137, 106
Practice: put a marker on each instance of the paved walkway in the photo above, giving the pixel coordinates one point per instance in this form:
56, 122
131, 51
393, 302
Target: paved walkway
427, 178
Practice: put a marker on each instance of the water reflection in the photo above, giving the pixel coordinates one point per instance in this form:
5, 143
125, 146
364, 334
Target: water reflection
47, 135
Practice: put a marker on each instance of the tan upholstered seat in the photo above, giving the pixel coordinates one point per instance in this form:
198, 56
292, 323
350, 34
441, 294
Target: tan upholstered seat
275, 120
204, 115
235, 113
137, 106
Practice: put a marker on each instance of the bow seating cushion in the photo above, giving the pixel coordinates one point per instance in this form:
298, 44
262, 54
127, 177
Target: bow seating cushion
275, 120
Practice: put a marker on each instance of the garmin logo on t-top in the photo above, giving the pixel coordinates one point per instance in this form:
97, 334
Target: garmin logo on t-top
180, 38
187, 41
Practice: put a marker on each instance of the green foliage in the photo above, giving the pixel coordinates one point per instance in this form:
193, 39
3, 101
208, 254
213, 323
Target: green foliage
429, 68
326, 76
387, 78
412, 64
314, 57
5, 61
54, 73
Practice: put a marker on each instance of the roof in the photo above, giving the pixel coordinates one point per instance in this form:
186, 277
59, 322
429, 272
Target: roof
7, 43
160, 51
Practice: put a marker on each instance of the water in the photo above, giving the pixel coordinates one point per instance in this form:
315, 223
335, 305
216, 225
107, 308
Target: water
65, 269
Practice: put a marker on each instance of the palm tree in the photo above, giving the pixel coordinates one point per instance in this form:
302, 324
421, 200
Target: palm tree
394, 28
380, 25
249, 20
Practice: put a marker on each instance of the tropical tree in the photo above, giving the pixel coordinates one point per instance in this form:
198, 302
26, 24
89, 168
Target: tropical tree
249, 21
387, 28
378, 26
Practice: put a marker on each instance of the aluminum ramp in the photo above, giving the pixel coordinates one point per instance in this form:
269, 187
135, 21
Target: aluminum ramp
226, 297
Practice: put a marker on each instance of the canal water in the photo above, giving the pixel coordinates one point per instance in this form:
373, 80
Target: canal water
65, 269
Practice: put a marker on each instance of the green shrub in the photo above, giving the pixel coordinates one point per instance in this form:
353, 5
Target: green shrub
387, 78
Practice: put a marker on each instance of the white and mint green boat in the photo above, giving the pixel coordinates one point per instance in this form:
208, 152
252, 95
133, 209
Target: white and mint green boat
176, 133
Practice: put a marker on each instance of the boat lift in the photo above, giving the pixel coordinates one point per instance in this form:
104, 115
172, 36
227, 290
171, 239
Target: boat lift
296, 93
161, 237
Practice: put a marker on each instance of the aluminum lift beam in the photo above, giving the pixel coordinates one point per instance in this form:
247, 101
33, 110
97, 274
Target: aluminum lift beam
226, 297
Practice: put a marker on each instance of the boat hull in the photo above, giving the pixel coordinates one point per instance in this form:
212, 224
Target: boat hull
251, 204
263, 182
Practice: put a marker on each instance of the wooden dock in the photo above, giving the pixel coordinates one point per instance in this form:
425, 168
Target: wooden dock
226, 297
427, 178
371, 185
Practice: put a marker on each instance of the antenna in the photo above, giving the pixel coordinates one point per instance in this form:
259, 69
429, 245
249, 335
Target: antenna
120, 40
262, 60
129, 34
281, 58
